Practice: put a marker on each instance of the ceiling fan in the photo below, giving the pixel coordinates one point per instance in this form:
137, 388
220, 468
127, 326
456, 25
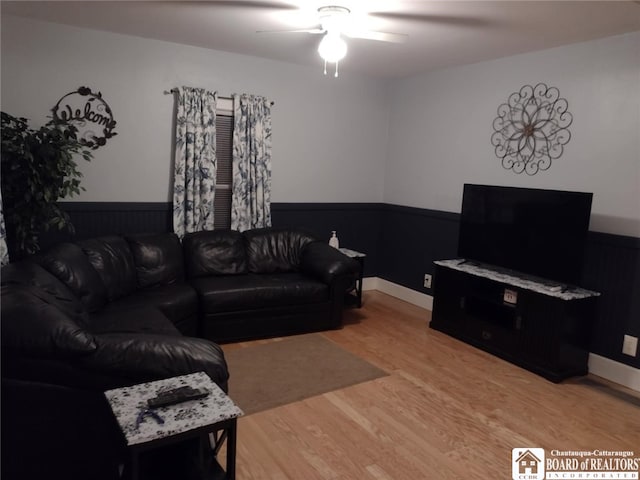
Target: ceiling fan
335, 18
335, 24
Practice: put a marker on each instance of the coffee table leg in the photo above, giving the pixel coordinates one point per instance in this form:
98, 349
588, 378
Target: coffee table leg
135, 466
231, 450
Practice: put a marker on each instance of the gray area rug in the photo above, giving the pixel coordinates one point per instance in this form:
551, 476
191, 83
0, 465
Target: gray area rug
268, 375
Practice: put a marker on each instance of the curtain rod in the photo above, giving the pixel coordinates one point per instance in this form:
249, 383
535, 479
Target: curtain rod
175, 90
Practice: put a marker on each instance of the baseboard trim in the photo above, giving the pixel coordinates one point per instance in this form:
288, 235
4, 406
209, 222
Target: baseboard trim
606, 368
403, 293
615, 371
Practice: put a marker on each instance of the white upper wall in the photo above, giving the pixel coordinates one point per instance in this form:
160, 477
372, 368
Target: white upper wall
329, 136
333, 137
441, 125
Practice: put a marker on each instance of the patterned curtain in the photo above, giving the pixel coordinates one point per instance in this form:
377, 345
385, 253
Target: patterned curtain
251, 189
195, 161
4, 252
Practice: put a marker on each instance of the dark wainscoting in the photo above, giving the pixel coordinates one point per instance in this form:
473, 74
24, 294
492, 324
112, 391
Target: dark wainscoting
401, 244
612, 267
412, 239
95, 219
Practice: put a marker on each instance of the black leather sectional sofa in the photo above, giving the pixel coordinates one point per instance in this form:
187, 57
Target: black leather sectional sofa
113, 311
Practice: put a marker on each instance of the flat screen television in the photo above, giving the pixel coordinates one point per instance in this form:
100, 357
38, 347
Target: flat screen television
537, 232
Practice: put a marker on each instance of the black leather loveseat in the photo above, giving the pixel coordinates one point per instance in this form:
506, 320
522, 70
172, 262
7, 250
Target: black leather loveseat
113, 311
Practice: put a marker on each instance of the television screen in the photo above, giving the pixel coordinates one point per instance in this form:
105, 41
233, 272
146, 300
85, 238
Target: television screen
536, 232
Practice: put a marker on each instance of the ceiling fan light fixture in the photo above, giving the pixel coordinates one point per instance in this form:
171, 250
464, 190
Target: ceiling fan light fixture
332, 48
334, 18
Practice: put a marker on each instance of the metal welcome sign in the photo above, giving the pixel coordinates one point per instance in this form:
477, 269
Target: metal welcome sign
89, 113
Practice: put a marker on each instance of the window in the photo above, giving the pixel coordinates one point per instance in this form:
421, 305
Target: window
224, 177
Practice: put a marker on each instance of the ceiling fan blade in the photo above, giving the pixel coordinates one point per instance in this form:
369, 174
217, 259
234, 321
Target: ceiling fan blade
442, 19
253, 4
315, 31
379, 36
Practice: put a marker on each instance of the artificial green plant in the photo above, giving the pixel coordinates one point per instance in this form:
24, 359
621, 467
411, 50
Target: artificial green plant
38, 169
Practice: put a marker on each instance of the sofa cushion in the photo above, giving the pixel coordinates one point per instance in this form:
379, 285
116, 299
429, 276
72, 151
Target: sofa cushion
68, 263
246, 292
218, 252
157, 258
112, 259
271, 250
178, 302
132, 320
31, 327
147, 357
47, 287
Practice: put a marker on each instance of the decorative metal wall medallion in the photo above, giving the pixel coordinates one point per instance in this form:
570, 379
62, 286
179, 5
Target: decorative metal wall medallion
89, 113
531, 129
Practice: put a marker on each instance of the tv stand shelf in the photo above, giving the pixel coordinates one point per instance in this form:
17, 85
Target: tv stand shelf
540, 325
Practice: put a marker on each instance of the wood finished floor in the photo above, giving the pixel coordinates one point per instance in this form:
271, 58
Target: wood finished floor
445, 411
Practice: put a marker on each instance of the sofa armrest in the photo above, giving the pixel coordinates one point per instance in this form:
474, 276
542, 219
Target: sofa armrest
148, 357
326, 263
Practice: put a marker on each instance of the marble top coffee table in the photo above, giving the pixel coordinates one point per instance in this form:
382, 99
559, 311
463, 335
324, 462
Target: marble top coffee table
214, 414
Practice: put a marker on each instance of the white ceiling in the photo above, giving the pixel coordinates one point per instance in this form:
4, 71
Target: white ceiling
440, 33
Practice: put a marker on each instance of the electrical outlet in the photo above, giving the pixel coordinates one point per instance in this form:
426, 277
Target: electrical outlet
630, 345
427, 280
510, 296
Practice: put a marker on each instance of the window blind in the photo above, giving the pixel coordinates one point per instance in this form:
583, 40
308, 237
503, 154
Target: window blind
224, 174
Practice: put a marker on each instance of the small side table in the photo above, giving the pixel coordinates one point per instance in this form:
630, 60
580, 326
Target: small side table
355, 300
213, 417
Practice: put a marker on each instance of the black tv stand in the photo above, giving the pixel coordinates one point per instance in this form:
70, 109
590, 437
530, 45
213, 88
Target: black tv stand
540, 325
